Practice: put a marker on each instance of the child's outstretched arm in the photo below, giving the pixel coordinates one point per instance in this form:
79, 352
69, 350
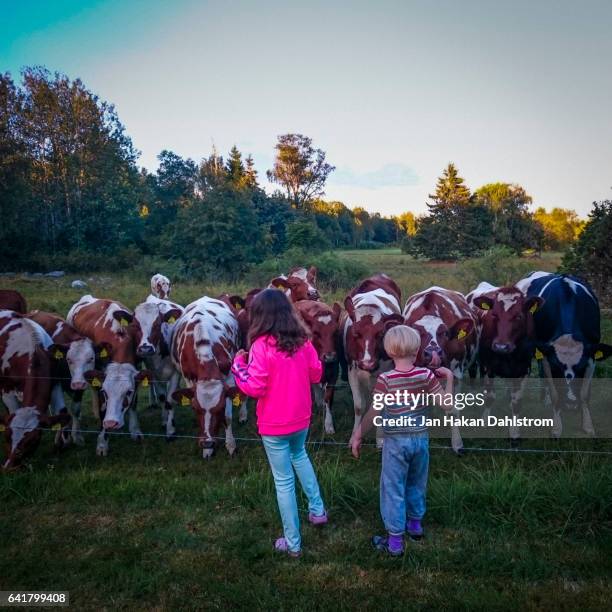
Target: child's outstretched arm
252, 376
446, 394
315, 368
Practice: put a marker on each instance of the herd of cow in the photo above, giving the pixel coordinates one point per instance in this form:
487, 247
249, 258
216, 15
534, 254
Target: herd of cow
114, 350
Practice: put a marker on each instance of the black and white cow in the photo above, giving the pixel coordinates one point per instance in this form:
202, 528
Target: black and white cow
567, 335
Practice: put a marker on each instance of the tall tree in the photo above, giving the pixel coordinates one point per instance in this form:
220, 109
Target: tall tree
299, 168
450, 191
561, 226
236, 173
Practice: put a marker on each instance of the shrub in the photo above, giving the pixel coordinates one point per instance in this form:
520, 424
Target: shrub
498, 266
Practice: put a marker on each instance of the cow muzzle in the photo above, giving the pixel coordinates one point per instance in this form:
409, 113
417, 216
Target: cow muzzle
145, 350
503, 348
432, 356
76, 385
330, 357
111, 424
368, 366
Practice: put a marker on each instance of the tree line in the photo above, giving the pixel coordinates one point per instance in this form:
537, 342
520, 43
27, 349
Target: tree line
73, 196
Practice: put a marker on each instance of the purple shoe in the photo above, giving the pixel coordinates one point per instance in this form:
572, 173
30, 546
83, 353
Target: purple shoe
414, 529
320, 519
393, 545
281, 546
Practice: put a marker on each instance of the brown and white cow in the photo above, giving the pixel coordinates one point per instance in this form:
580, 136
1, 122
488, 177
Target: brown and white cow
12, 300
204, 343
25, 386
160, 286
506, 340
152, 329
106, 323
73, 355
372, 308
299, 284
449, 335
323, 323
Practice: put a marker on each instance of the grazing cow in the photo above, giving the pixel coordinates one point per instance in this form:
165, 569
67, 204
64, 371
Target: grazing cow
160, 286
73, 355
106, 323
447, 326
25, 385
152, 329
506, 344
205, 339
322, 322
372, 308
567, 334
12, 300
299, 284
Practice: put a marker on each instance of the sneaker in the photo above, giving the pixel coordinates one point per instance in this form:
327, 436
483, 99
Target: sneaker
414, 529
389, 544
318, 519
281, 546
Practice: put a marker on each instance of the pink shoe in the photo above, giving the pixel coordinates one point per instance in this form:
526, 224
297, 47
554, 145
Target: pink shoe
321, 519
281, 546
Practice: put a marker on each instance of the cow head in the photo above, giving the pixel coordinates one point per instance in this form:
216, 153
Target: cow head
299, 285
366, 332
146, 327
567, 358
80, 356
23, 431
160, 286
440, 342
117, 387
508, 318
207, 399
322, 321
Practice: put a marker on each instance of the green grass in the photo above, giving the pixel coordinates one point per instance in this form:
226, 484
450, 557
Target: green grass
153, 526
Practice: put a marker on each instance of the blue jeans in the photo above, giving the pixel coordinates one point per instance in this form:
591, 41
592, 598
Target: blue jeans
403, 479
285, 454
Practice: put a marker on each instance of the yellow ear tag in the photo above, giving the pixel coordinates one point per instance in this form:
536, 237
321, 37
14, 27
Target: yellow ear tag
185, 401
124, 322
144, 382
462, 334
96, 382
533, 309
538, 354
104, 353
58, 354
56, 427
237, 306
2, 427
485, 306
171, 320
236, 400
598, 355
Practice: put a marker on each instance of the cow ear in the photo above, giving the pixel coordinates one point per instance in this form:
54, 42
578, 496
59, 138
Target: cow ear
123, 317
336, 311
393, 321
95, 378
143, 378
484, 302
533, 304
172, 315
461, 329
311, 277
58, 351
601, 351
350, 307
183, 396
280, 283
104, 351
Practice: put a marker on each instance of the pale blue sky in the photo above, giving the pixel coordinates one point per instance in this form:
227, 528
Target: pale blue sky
512, 91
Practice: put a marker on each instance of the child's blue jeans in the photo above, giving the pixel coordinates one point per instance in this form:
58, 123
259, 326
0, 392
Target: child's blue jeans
286, 453
403, 479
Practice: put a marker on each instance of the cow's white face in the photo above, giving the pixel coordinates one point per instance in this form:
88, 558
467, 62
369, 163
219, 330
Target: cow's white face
80, 358
118, 391
148, 320
160, 286
23, 427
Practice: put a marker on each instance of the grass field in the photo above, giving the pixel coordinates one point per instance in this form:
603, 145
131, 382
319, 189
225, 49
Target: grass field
154, 527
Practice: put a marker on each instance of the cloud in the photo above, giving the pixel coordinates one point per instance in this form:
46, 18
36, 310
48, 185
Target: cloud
390, 175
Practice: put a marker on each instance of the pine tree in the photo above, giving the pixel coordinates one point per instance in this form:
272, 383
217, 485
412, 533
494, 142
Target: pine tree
250, 174
234, 167
450, 190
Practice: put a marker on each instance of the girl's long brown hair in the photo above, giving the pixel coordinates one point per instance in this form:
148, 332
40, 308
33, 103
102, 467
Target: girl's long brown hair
272, 314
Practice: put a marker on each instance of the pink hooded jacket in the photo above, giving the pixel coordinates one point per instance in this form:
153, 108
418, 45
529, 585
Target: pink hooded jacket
281, 383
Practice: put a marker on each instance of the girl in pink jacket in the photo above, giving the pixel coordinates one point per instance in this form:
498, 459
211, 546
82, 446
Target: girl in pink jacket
281, 366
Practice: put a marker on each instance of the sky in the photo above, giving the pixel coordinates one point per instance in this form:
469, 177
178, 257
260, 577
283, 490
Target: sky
515, 91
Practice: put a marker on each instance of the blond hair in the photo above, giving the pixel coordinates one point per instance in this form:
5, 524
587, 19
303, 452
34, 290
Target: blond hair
402, 341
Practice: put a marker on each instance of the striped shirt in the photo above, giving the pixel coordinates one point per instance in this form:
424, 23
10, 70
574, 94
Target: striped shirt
415, 382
